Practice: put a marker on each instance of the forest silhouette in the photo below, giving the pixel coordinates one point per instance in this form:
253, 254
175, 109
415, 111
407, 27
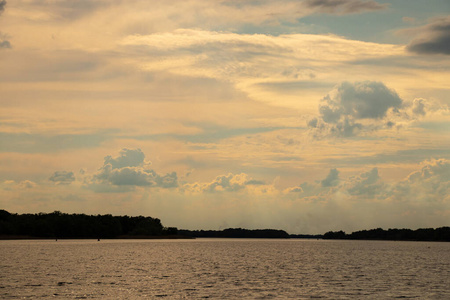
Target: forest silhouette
81, 226
62, 225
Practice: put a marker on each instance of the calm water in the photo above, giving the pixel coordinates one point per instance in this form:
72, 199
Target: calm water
224, 268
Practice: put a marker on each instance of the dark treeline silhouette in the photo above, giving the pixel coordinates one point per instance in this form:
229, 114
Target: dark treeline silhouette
62, 225
78, 226
235, 233
423, 234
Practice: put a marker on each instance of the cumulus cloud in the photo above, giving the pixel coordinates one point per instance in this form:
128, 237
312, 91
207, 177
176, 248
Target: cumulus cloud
352, 107
127, 171
433, 38
367, 183
437, 168
361, 100
344, 6
62, 177
332, 178
127, 158
430, 184
225, 183
319, 190
420, 109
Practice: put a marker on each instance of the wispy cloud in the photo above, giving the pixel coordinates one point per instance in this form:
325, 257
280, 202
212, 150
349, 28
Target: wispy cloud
62, 177
344, 6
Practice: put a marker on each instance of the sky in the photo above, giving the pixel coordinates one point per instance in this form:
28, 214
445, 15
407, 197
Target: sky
306, 116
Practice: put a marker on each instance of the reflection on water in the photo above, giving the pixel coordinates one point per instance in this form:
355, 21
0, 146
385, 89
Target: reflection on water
224, 268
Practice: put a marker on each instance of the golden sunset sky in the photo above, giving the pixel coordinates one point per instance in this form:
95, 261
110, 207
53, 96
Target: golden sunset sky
306, 116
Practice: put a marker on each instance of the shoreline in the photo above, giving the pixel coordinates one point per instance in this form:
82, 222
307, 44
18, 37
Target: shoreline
122, 237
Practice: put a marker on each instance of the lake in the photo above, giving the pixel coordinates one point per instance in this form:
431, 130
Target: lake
224, 268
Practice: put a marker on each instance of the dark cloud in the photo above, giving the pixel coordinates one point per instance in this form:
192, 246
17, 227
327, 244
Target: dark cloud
127, 158
2, 6
344, 6
332, 179
344, 110
62, 177
129, 170
3, 43
69, 9
360, 100
255, 182
433, 38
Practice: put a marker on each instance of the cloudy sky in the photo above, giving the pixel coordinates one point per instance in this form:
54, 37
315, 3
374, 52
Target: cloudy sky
306, 116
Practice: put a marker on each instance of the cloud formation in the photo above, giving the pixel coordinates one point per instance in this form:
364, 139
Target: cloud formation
351, 107
367, 184
332, 179
62, 177
433, 38
10, 185
344, 6
127, 158
224, 183
2, 6
129, 170
431, 184
3, 42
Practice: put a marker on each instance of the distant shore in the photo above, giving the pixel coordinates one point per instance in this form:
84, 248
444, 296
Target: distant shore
58, 225
124, 237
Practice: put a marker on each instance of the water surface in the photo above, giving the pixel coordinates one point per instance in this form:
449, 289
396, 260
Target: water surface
224, 268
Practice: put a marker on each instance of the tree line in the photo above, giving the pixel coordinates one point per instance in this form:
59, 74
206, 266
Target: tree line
78, 226
62, 225
422, 234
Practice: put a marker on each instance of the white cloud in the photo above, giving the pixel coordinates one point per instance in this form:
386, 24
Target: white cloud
254, 63
225, 183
